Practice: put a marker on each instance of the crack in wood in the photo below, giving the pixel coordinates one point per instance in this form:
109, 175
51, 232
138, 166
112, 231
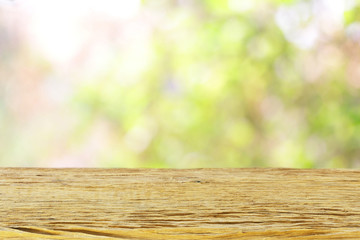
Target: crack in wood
35, 230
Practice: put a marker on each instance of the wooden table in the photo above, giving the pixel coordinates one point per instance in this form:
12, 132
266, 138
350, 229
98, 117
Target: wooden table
179, 204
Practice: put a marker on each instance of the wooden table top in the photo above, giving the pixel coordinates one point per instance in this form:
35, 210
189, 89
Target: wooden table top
179, 204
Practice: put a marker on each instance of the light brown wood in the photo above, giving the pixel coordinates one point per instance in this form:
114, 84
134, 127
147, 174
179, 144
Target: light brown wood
179, 204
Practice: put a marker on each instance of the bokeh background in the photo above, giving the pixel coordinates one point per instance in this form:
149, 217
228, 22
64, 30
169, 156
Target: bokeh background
180, 83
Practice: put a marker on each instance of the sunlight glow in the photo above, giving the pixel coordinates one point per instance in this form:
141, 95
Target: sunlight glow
61, 28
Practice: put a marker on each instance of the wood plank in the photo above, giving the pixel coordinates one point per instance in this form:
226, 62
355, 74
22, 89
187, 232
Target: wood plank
179, 204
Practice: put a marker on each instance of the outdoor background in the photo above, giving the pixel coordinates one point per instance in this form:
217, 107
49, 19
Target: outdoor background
186, 83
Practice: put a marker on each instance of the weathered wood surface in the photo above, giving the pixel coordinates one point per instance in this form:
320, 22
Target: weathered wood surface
179, 204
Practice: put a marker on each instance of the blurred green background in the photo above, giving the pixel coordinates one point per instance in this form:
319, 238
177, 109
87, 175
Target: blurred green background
183, 84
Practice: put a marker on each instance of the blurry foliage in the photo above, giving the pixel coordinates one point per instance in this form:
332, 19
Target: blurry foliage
222, 85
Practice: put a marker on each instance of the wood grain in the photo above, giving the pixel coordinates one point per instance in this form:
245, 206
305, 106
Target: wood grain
179, 204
